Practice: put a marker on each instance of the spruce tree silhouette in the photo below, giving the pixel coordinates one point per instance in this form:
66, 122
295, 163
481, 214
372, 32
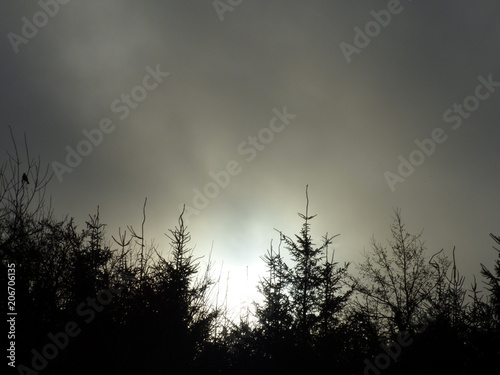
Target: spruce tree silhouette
302, 302
493, 282
159, 319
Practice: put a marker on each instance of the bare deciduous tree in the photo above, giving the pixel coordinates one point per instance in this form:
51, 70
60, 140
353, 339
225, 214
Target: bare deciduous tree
397, 282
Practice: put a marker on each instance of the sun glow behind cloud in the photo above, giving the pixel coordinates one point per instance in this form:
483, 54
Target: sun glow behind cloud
353, 120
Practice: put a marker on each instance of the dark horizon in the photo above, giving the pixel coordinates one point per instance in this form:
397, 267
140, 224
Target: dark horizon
76, 295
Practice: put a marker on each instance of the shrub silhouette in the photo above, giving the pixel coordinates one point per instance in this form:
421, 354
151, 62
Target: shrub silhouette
140, 312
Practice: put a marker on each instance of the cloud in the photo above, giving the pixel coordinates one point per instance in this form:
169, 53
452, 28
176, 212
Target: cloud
226, 78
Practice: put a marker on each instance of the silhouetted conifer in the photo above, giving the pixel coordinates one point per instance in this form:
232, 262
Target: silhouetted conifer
156, 316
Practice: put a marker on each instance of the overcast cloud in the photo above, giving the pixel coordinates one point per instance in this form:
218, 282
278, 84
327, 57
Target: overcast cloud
353, 120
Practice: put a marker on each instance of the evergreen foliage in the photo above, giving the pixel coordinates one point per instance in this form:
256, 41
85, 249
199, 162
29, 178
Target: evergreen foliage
139, 312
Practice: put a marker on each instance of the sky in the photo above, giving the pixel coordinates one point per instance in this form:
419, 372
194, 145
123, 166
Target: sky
232, 107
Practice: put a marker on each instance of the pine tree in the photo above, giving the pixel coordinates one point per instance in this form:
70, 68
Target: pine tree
180, 305
493, 282
274, 314
303, 302
305, 278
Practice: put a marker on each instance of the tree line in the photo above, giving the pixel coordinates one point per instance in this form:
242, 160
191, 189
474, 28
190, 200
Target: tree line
87, 302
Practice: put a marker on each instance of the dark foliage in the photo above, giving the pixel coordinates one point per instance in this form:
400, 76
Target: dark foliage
88, 305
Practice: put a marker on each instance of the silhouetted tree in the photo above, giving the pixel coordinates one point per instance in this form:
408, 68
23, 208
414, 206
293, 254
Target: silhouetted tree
493, 282
184, 320
307, 279
156, 315
302, 305
396, 284
484, 319
274, 313
333, 294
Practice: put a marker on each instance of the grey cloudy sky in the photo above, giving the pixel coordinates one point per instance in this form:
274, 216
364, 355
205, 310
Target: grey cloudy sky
228, 70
